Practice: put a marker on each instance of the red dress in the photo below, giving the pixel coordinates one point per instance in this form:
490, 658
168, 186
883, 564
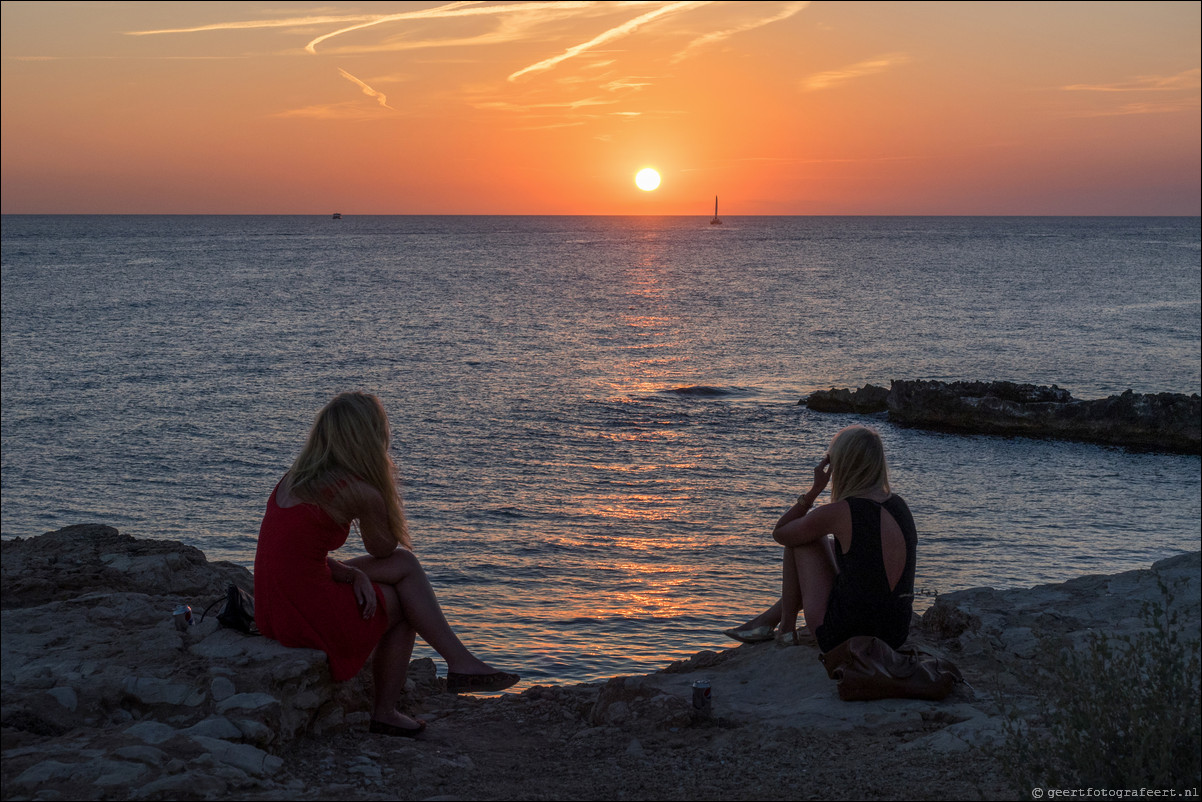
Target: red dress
297, 601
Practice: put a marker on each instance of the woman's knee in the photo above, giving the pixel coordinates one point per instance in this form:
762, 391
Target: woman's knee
392, 605
406, 561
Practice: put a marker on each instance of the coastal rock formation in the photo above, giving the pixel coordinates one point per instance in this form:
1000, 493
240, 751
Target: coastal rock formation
91, 654
865, 401
104, 698
1162, 421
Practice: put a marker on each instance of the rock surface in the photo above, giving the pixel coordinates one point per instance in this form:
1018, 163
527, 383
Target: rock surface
104, 699
1161, 422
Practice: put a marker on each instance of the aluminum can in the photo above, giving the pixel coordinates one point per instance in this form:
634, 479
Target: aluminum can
183, 617
701, 696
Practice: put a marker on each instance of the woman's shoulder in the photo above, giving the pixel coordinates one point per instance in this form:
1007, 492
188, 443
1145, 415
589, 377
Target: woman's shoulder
353, 495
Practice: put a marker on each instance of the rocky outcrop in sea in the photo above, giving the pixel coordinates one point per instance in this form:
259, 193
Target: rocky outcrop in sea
1158, 422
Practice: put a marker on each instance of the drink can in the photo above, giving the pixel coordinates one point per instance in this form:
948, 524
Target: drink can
183, 617
701, 696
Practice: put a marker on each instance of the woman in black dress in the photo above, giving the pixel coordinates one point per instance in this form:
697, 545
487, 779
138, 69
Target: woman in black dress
860, 579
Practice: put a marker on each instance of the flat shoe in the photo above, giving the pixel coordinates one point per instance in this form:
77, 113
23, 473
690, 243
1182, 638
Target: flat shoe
480, 683
795, 638
751, 634
384, 728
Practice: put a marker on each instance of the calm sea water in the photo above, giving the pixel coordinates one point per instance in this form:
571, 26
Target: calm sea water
596, 418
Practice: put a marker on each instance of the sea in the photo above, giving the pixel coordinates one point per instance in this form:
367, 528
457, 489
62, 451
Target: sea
597, 419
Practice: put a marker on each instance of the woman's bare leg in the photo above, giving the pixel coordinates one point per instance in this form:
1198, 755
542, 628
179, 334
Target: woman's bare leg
419, 607
390, 664
808, 578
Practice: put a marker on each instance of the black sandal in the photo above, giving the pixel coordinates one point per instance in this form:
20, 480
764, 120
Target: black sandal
480, 683
377, 727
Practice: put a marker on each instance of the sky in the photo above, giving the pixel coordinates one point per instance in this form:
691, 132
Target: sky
779, 108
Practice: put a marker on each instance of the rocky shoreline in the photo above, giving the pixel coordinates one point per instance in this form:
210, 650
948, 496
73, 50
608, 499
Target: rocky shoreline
1160, 422
104, 699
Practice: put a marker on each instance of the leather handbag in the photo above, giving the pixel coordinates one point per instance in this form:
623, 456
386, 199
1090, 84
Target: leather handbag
867, 668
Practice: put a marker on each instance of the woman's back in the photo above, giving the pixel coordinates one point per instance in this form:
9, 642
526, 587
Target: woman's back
868, 598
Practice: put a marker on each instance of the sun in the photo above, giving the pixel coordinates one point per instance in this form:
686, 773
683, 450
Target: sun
647, 179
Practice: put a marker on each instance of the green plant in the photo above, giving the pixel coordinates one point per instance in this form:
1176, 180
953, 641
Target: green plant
1121, 713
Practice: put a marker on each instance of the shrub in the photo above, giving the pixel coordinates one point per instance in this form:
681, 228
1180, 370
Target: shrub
1122, 713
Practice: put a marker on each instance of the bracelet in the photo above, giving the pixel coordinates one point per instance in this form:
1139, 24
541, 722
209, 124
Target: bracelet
802, 500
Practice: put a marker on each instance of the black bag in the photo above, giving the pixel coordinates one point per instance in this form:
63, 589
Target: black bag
238, 611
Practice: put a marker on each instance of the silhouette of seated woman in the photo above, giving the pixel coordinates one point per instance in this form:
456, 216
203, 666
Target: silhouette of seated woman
374, 603
848, 564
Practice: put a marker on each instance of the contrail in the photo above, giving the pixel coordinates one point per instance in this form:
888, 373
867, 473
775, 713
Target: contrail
717, 36
461, 9
608, 36
292, 22
367, 90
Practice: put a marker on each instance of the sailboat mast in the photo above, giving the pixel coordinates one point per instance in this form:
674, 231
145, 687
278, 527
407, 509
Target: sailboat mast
715, 206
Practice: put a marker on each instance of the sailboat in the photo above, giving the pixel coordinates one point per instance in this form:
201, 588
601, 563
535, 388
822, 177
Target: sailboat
717, 221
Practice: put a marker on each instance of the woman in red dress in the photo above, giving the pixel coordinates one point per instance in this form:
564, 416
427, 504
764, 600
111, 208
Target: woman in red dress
306, 598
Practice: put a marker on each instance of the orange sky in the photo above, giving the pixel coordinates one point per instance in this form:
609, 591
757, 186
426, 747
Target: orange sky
552, 107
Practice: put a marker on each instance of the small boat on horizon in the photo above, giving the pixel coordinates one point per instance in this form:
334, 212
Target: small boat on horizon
717, 221
337, 215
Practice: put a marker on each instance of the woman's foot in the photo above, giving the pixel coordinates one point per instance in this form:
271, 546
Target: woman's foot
491, 682
748, 634
397, 724
796, 637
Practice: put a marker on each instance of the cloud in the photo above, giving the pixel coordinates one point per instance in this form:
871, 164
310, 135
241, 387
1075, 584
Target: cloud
717, 36
1191, 104
1189, 79
618, 84
367, 90
618, 31
825, 80
331, 111
1185, 81
571, 105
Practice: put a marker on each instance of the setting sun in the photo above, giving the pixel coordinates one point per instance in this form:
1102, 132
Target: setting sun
647, 179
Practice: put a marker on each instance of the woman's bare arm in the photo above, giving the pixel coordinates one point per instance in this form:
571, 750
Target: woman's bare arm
791, 525
359, 501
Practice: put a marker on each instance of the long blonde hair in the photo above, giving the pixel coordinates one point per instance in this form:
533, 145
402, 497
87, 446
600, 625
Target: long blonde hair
857, 463
350, 436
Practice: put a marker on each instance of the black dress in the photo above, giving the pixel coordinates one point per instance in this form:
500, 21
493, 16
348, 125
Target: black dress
861, 602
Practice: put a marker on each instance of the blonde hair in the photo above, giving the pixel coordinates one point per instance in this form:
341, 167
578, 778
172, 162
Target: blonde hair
857, 463
350, 436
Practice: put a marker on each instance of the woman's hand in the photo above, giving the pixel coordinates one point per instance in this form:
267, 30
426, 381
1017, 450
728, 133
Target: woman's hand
822, 476
365, 593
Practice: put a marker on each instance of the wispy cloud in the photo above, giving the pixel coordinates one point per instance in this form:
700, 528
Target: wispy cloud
618, 31
380, 97
621, 84
571, 105
1190, 104
717, 36
725, 163
351, 110
825, 80
1189, 79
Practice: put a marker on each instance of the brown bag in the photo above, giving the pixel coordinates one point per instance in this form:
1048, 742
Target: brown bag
868, 668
